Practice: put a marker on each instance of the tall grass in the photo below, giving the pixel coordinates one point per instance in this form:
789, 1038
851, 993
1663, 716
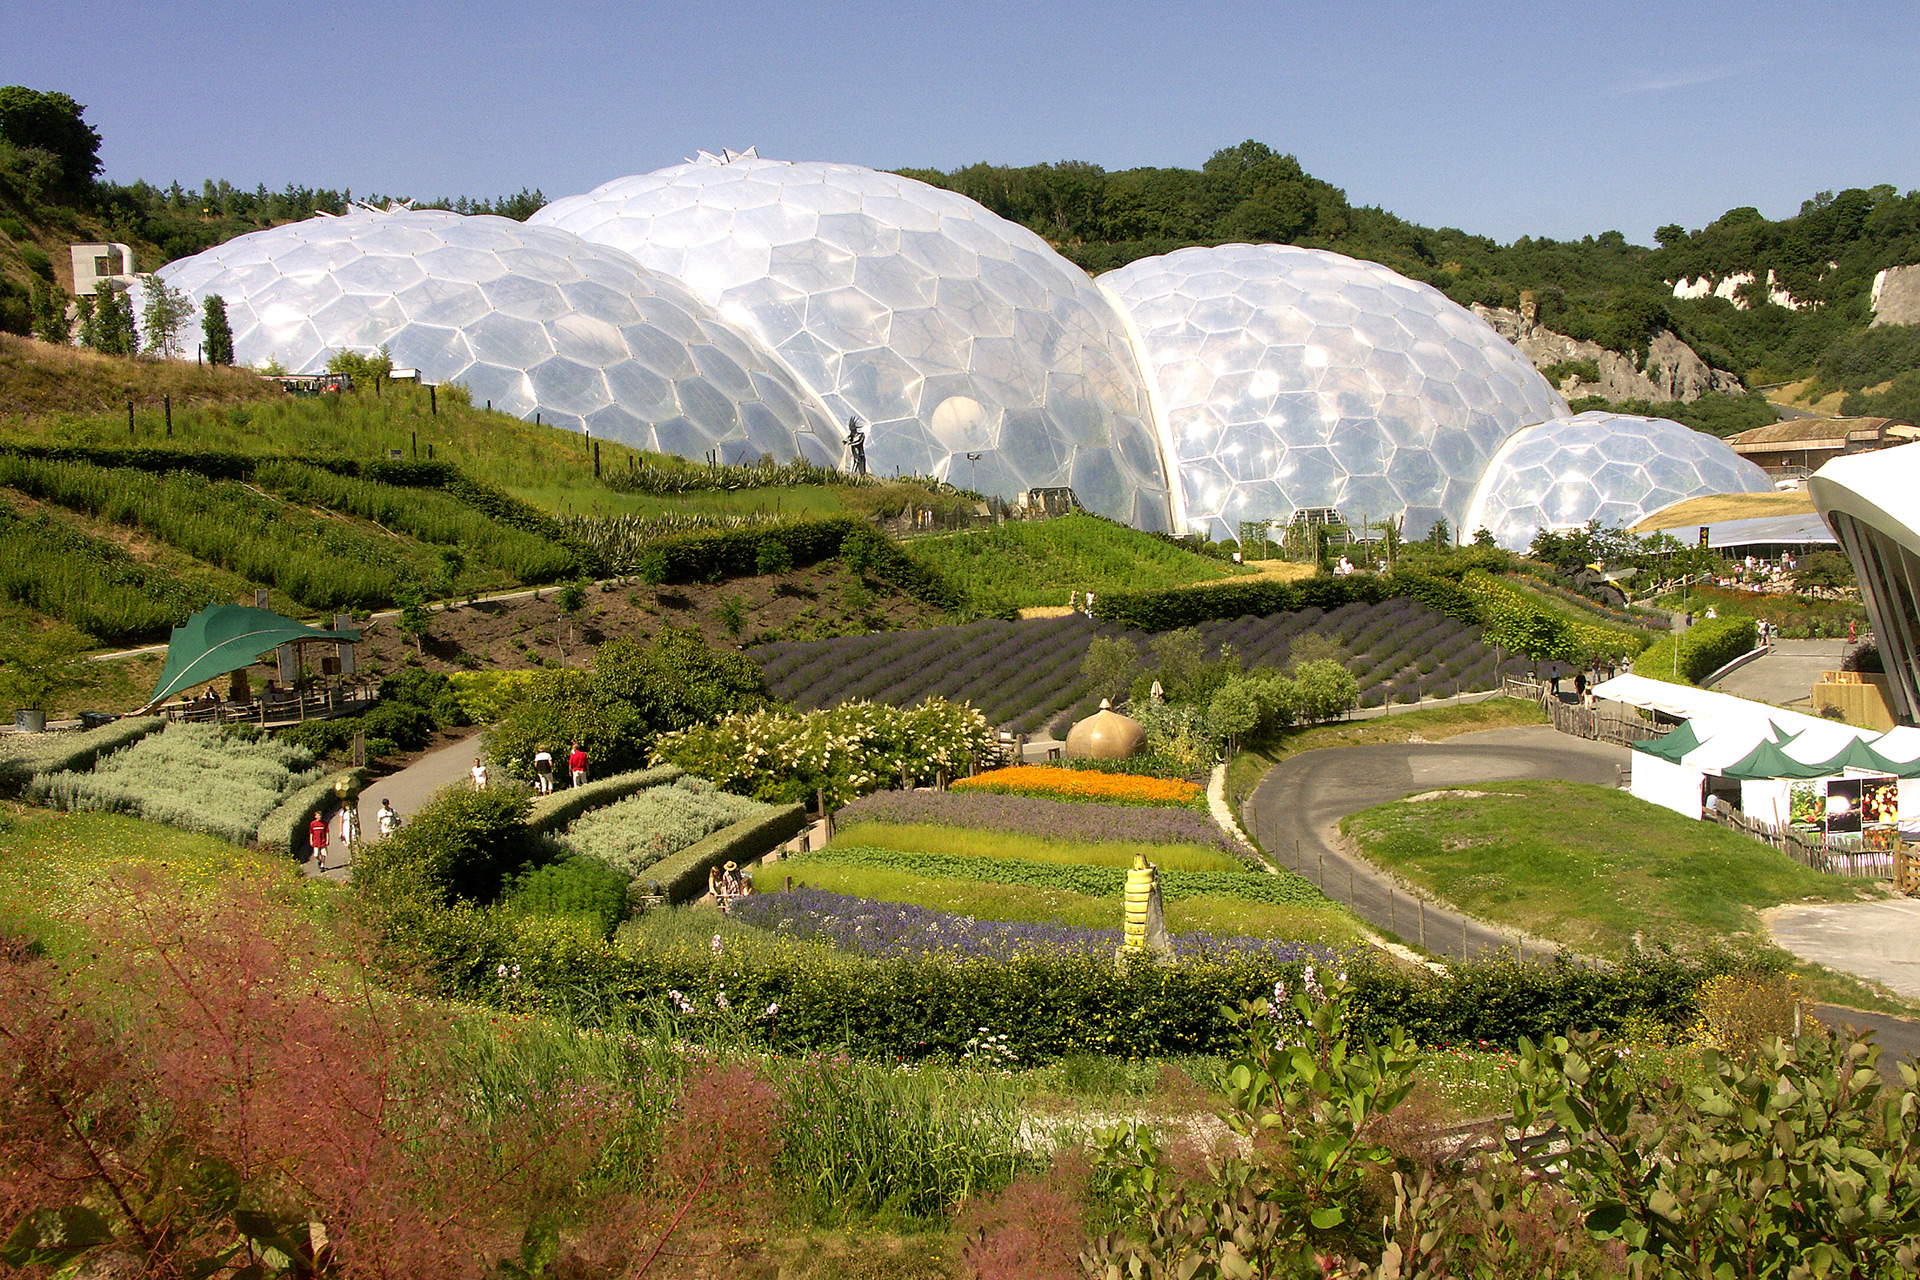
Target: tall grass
325, 564
426, 514
863, 1140
222, 781
89, 583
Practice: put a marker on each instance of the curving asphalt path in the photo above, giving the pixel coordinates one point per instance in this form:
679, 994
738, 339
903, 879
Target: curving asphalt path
1296, 809
1295, 813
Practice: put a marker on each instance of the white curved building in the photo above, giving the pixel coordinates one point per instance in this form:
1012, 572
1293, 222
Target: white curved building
1616, 468
1289, 378
947, 330
1869, 501
531, 318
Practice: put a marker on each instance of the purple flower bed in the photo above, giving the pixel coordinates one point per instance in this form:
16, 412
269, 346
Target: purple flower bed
1031, 815
881, 929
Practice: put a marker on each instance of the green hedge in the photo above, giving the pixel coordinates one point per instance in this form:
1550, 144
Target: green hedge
1285, 888
1189, 606
26, 756
713, 555
285, 828
1702, 649
212, 464
551, 813
918, 1007
684, 875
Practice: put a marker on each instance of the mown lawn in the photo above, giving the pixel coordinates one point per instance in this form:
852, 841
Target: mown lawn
1586, 866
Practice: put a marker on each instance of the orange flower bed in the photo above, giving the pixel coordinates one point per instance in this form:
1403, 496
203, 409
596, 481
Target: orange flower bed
1075, 784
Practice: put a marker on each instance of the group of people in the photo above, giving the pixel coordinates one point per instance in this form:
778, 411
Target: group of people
385, 818
542, 770
724, 884
1081, 602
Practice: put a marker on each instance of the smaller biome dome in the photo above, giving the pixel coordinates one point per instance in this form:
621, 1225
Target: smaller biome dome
1105, 735
1289, 378
532, 319
1615, 468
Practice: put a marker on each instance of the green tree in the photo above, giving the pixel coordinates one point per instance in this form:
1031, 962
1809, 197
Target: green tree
414, 618
47, 307
1110, 665
1441, 534
462, 847
54, 124
1823, 572
216, 332
112, 330
37, 667
360, 366
166, 309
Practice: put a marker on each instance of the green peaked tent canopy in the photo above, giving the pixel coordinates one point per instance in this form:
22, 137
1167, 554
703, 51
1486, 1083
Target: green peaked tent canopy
1767, 760
1859, 754
1671, 746
225, 637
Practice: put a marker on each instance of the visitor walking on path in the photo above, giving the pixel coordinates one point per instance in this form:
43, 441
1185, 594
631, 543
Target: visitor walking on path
317, 839
479, 774
387, 818
349, 827
543, 771
577, 765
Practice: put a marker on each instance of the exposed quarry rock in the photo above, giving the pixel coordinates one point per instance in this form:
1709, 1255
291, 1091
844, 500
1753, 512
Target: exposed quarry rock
1896, 296
1732, 288
1673, 370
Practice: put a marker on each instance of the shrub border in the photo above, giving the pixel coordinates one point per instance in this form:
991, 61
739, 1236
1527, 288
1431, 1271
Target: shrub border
551, 813
683, 875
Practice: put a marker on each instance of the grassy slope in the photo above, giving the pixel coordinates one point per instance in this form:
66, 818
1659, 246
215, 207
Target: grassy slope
40, 379
1042, 562
1726, 506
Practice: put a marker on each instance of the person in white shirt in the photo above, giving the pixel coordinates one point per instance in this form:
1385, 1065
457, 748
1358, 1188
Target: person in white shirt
387, 818
543, 771
479, 774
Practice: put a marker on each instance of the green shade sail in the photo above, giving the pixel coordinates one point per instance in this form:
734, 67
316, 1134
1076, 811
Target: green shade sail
1671, 746
227, 637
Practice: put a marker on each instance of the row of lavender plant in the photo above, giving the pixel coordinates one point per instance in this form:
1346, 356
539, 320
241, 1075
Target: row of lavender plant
870, 928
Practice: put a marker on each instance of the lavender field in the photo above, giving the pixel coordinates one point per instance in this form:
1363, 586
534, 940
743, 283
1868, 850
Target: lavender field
1025, 676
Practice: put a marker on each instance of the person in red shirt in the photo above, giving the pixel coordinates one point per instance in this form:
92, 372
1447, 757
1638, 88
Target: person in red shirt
317, 838
577, 764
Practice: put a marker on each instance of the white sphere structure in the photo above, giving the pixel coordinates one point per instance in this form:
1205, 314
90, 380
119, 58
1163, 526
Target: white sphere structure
531, 318
950, 332
1616, 468
1288, 378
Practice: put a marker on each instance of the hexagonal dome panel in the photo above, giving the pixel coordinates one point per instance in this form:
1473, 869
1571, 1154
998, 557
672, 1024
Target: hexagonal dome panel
1612, 467
947, 330
1289, 378
532, 318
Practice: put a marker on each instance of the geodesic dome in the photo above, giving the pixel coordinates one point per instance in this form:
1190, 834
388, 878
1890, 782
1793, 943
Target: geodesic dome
532, 318
1616, 468
947, 330
1290, 378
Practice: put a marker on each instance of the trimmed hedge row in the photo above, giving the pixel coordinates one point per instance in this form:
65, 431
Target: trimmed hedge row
1702, 650
284, 830
683, 875
712, 555
1188, 606
551, 813
25, 757
917, 1007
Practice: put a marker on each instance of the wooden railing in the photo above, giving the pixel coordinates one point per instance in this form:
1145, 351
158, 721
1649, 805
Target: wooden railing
1601, 724
278, 708
1823, 858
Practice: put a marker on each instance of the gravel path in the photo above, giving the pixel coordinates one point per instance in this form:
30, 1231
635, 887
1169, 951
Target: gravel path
409, 789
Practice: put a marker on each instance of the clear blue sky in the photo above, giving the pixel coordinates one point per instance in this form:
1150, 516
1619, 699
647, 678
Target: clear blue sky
1505, 119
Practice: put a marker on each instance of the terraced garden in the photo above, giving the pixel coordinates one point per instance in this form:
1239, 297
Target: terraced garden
984, 873
1026, 675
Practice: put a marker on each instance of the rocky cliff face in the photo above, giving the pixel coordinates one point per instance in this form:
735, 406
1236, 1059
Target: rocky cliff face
1673, 370
1896, 296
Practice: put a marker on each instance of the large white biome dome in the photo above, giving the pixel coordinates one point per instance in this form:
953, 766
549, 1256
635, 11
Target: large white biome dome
534, 319
1289, 378
946, 329
1616, 468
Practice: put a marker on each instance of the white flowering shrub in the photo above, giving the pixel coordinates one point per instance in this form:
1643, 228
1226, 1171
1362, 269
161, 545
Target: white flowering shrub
222, 781
637, 832
845, 751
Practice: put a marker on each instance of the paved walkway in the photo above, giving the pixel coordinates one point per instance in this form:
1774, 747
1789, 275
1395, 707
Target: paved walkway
1296, 809
1784, 675
1878, 940
409, 789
